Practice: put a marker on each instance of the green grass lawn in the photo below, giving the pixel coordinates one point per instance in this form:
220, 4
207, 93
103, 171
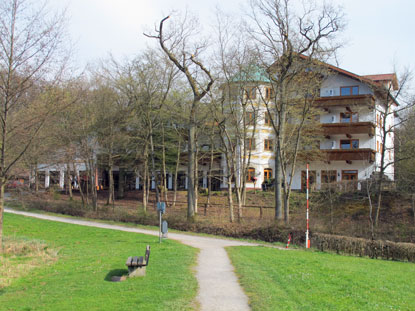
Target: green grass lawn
306, 280
80, 277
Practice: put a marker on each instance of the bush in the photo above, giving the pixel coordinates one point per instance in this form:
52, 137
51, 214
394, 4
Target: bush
362, 247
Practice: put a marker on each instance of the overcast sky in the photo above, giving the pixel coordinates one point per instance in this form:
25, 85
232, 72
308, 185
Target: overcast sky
379, 32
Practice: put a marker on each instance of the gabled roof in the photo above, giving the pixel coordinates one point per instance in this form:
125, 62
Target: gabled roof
386, 77
377, 80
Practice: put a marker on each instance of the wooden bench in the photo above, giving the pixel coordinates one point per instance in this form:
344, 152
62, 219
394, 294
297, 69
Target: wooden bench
136, 265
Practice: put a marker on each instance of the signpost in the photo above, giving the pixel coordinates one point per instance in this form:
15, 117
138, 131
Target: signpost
161, 208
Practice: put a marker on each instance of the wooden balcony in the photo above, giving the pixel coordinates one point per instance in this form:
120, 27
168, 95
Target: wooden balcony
349, 128
349, 155
353, 100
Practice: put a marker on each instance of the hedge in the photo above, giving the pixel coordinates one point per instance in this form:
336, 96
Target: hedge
362, 247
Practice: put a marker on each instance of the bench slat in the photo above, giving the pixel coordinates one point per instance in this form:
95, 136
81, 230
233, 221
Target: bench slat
141, 261
135, 261
128, 263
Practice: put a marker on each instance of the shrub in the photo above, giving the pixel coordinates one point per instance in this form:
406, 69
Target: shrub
362, 247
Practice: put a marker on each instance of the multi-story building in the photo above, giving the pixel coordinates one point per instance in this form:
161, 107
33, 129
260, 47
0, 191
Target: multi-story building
352, 115
352, 112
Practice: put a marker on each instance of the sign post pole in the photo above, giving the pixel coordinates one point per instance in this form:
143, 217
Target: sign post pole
161, 208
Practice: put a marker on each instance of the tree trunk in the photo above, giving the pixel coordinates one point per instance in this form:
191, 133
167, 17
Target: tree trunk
230, 200
153, 164
94, 198
145, 176
176, 172
370, 210
239, 201
277, 186
196, 171
81, 192
2, 185
111, 192
413, 207
379, 202
210, 175
121, 183
190, 170
287, 207
69, 181
278, 163
164, 166
36, 180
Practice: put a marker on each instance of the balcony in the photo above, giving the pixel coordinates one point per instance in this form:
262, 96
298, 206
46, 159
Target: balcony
353, 100
349, 128
349, 155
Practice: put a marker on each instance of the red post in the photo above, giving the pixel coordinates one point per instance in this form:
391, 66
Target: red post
289, 240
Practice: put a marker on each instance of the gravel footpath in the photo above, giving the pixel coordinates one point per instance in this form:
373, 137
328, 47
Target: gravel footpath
218, 285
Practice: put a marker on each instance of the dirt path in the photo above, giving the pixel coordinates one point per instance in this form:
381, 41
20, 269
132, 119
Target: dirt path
218, 285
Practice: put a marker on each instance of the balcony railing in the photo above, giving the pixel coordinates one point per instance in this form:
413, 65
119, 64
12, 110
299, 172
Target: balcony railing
349, 128
364, 154
353, 100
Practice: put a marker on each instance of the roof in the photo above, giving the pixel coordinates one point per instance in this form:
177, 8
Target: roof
385, 77
377, 81
374, 80
251, 74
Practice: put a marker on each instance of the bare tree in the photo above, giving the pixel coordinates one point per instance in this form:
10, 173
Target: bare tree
282, 36
31, 42
175, 45
390, 115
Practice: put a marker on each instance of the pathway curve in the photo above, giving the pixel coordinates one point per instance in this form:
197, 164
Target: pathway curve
218, 285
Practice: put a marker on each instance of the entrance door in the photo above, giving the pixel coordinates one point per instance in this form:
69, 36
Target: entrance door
349, 180
312, 180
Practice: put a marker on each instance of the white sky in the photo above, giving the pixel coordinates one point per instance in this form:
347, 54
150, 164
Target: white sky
379, 32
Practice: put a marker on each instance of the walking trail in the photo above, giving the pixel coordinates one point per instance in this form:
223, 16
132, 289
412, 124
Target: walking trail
218, 285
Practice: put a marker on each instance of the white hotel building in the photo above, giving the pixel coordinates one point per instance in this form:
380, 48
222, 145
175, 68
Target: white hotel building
351, 119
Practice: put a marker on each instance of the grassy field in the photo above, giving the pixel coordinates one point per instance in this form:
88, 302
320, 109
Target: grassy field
305, 280
79, 277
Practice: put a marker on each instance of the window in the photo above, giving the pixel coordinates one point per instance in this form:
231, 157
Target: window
349, 144
268, 145
251, 174
269, 93
348, 117
328, 177
250, 118
267, 173
377, 146
250, 92
349, 175
349, 90
267, 119
250, 144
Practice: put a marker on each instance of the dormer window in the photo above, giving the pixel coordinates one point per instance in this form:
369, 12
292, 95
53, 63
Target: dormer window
349, 90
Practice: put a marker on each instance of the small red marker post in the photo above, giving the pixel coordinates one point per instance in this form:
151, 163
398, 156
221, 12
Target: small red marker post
289, 240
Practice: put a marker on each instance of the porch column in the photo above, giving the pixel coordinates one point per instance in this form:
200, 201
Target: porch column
137, 182
170, 181
47, 179
61, 179
153, 183
205, 179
